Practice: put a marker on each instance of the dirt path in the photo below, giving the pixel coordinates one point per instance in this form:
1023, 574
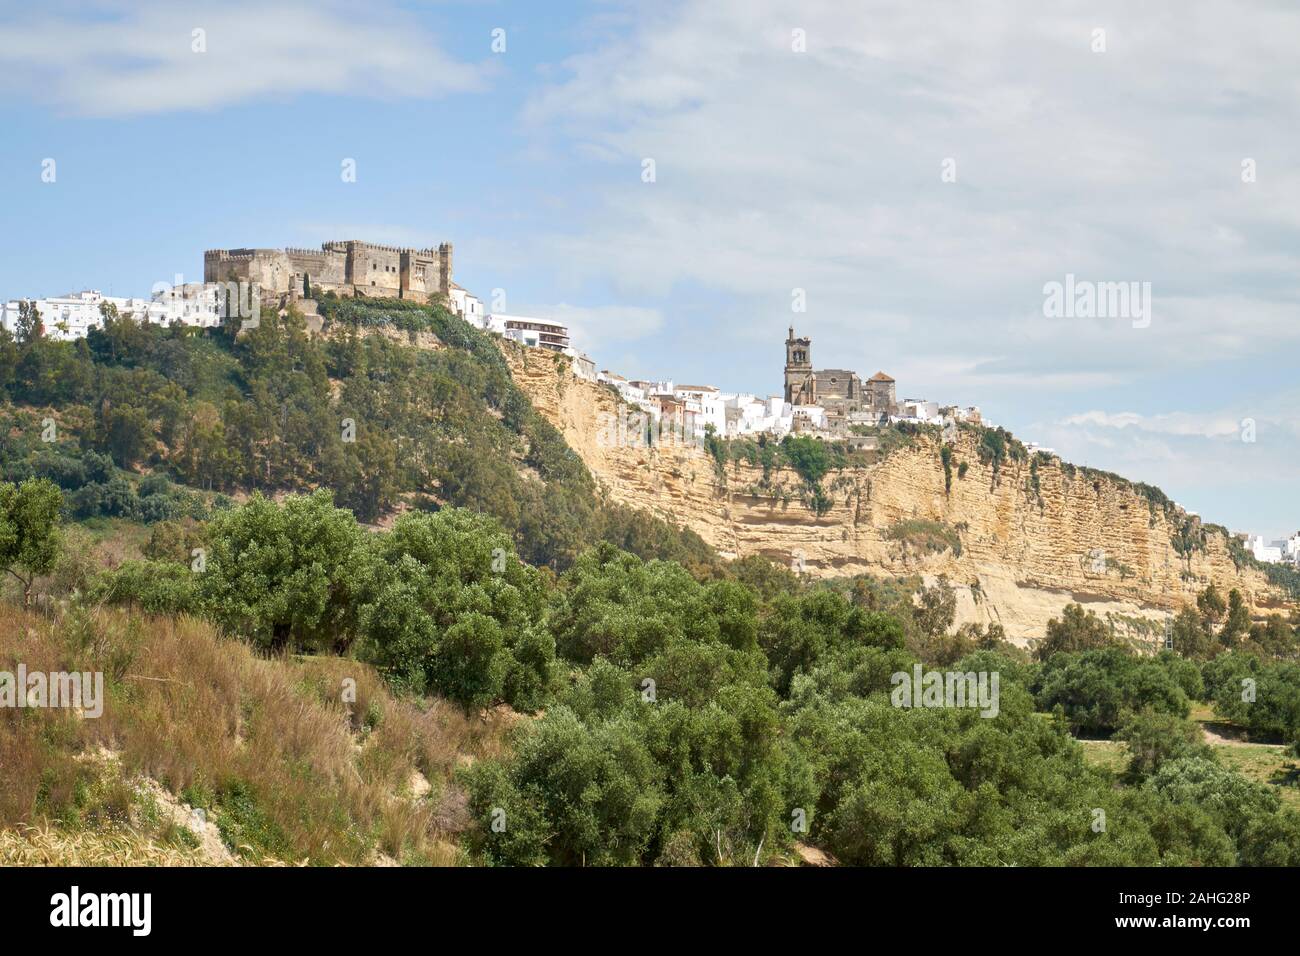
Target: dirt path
1220, 733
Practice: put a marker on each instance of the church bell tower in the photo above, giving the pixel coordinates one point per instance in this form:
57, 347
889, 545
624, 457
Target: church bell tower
800, 383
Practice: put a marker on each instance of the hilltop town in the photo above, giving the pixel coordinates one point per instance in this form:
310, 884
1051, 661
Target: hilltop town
831, 404
834, 404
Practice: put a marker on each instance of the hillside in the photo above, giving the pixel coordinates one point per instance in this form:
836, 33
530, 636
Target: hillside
459, 560
395, 407
1032, 538
206, 754
162, 427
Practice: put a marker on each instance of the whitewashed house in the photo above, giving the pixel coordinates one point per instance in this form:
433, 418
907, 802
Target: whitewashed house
72, 316
467, 306
707, 405
192, 303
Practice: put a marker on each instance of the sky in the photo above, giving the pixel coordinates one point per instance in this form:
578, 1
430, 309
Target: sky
681, 182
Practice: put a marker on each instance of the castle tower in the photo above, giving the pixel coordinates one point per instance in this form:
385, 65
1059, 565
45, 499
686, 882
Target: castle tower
800, 382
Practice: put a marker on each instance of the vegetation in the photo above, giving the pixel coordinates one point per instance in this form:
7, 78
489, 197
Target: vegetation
290, 760
29, 536
385, 426
461, 654
702, 721
812, 459
925, 537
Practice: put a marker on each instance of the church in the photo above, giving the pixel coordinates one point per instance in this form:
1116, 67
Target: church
846, 398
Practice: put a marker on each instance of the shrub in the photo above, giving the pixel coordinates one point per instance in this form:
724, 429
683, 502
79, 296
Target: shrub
1098, 690
283, 573
925, 537
444, 605
155, 587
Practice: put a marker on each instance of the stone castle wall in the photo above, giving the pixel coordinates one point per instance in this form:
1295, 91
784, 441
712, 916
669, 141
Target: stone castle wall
346, 268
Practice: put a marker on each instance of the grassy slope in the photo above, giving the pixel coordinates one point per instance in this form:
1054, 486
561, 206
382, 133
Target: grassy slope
283, 769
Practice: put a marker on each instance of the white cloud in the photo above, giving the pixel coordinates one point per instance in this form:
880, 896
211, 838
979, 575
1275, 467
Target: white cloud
1176, 423
821, 170
594, 328
1210, 461
132, 58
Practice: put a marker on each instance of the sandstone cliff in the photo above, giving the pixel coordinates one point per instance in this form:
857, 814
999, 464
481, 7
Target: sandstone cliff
1025, 551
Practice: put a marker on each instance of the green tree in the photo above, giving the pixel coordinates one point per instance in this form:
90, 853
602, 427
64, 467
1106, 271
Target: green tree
126, 433
1191, 639
445, 605
1212, 608
587, 795
29, 327
1239, 805
1155, 738
277, 574
30, 540
1076, 630
1098, 690
807, 456
936, 609
1236, 625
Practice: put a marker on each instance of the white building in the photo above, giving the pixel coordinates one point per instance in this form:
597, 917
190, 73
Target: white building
193, 303
744, 414
749, 415
530, 331
629, 392
1270, 553
654, 388
918, 410
72, 316
971, 413
467, 306
708, 406
809, 418
1279, 551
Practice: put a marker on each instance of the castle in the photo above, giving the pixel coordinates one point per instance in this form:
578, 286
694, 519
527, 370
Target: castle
842, 393
346, 268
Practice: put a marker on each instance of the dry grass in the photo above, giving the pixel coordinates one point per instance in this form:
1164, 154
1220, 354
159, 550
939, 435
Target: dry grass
1265, 763
286, 766
47, 846
1111, 755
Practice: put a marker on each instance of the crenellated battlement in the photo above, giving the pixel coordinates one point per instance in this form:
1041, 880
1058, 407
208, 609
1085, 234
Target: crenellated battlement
359, 245
231, 254
347, 267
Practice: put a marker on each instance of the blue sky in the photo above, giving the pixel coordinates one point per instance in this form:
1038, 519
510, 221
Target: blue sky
783, 160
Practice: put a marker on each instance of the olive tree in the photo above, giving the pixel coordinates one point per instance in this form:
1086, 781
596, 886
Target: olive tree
30, 540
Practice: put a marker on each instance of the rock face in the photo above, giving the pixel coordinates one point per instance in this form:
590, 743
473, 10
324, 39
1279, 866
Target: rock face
1030, 541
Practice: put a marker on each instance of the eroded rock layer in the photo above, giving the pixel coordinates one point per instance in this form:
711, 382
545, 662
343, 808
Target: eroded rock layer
1029, 543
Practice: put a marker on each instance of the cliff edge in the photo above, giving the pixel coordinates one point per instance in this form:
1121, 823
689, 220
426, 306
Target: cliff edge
1018, 540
